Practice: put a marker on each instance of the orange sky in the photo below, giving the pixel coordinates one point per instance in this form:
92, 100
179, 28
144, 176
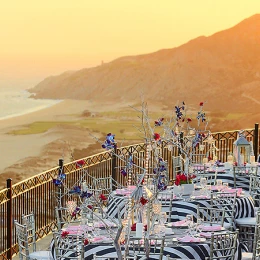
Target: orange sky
42, 38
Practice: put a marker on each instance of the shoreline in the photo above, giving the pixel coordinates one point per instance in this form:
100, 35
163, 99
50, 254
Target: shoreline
30, 110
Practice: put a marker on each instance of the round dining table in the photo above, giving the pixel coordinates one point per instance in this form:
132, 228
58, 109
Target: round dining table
244, 206
179, 250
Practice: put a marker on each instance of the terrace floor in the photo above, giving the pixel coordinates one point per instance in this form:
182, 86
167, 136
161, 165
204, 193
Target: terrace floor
41, 245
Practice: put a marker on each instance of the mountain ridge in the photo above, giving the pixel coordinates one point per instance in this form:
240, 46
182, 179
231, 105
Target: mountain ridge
223, 68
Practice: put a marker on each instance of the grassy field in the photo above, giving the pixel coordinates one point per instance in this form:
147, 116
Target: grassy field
125, 125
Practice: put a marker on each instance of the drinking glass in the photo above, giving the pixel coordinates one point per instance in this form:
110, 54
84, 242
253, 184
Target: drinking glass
162, 229
163, 218
199, 225
189, 220
219, 185
225, 185
203, 182
181, 190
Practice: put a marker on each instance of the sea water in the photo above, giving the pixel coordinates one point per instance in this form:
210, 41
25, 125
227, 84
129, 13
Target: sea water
15, 102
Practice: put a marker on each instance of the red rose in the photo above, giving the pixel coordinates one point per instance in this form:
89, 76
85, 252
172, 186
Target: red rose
90, 206
64, 234
103, 197
156, 137
80, 163
201, 104
189, 120
143, 201
86, 242
133, 227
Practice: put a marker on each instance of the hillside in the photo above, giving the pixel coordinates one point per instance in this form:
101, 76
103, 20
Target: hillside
222, 69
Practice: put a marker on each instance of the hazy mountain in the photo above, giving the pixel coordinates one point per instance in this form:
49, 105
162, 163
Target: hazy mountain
223, 69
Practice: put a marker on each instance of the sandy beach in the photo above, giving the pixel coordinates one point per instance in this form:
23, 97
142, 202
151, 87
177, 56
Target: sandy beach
24, 155
71, 129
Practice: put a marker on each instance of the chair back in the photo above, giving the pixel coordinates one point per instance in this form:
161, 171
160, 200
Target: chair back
166, 198
64, 216
176, 165
22, 239
154, 246
256, 246
223, 245
29, 221
200, 172
68, 246
227, 202
211, 216
243, 171
254, 189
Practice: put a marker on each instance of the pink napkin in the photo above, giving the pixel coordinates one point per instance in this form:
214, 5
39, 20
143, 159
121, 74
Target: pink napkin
180, 223
101, 224
76, 229
123, 192
238, 191
206, 235
211, 228
188, 239
201, 197
100, 239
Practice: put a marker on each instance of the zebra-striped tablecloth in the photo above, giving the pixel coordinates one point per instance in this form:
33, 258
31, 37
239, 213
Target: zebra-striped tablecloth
241, 181
180, 208
189, 251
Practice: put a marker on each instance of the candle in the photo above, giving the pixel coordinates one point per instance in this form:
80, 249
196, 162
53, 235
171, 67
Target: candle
205, 160
252, 159
139, 230
230, 159
242, 159
84, 186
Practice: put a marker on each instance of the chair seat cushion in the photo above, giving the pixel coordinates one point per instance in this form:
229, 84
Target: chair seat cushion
247, 256
41, 255
245, 221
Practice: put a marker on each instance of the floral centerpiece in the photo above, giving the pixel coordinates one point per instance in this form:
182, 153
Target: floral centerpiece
182, 178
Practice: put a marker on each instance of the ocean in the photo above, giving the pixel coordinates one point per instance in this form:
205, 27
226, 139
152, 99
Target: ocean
16, 101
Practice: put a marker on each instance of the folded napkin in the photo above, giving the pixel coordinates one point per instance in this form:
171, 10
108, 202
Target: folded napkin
200, 197
181, 223
100, 239
77, 229
189, 239
205, 234
100, 224
211, 228
123, 192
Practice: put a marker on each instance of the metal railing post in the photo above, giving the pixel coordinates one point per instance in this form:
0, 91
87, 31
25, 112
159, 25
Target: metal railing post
9, 219
256, 140
114, 175
60, 187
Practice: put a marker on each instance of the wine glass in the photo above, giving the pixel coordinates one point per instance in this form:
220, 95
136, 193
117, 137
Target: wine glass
181, 191
163, 218
189, 221
203, 182
219, 185
199, 225
225, 185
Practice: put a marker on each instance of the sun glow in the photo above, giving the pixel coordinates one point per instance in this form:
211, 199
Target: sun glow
39, 39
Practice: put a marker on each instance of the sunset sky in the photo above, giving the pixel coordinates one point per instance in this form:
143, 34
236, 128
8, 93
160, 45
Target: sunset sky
43, 38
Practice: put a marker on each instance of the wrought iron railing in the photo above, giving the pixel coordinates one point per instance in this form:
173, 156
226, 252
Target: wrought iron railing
37, 194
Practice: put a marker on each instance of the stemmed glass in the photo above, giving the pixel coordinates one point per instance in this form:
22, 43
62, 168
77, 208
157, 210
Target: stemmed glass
199, 225
189, 220
203, 182
219, 185
181, 190
163, 218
